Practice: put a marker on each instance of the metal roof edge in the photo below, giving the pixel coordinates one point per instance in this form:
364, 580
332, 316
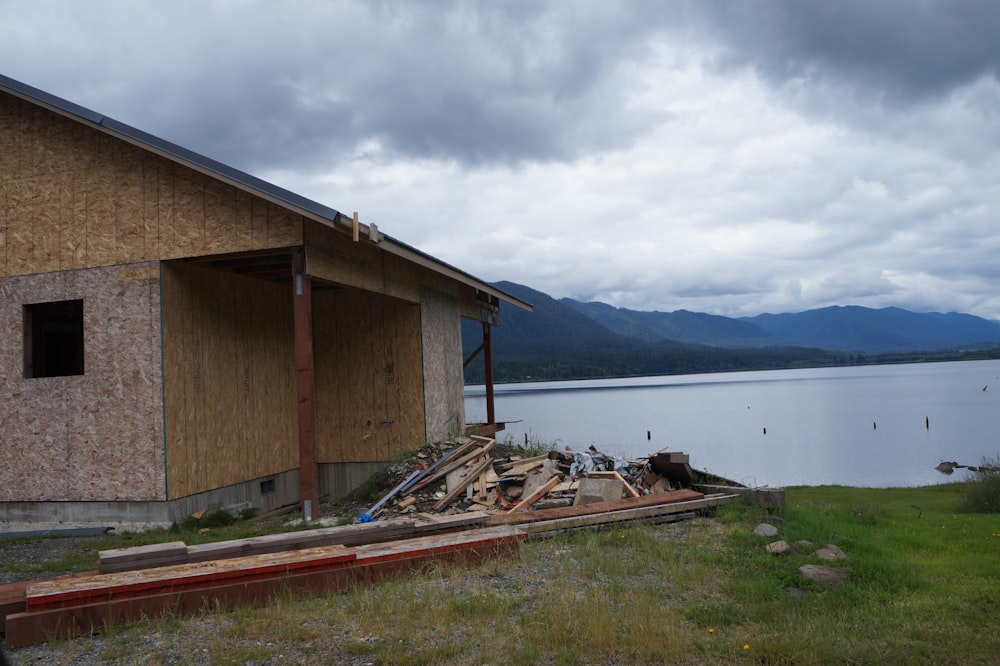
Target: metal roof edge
170, 150
417, 256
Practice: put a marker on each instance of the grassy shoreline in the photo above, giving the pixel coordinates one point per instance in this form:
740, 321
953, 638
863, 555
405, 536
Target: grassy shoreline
923, 590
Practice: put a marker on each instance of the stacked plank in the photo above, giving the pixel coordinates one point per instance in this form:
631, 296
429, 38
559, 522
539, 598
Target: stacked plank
69, 607
660, 507
177, 552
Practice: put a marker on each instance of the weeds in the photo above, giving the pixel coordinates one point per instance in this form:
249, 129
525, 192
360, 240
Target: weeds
530, 448
983, 489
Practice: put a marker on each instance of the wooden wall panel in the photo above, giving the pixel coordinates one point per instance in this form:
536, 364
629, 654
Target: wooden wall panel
76, 197
229, 367
3, 226
10, 152
441, 333
95, 436
20, 211
409, 377
335, 257
46, 215
150, 207
73, 234
100, 218
189, 212
244, 220
220, 217
130, 237
165, 235
284, 228
369, 391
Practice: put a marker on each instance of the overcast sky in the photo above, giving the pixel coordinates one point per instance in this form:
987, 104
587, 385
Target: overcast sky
723, 157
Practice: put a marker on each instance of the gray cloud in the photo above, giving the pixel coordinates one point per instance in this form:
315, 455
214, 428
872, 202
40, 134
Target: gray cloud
725, 157
894, 51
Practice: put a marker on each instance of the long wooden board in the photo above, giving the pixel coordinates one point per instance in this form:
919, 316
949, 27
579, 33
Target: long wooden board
595, 508
657, 513
348, 535
369, 564
74, 591
525, 503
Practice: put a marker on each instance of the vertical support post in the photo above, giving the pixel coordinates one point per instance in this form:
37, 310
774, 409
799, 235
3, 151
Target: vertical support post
491, 416
305, 388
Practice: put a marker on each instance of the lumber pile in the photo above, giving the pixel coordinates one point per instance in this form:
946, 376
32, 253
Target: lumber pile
76, 606
472, 477
176, 552
467, 503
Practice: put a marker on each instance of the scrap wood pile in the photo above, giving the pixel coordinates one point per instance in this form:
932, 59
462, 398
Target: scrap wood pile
475, 476
466, 503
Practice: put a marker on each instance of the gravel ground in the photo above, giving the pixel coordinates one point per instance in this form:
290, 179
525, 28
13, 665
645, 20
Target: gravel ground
26, 554
182, 640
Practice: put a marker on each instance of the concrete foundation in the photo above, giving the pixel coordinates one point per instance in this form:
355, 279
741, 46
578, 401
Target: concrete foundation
265, 494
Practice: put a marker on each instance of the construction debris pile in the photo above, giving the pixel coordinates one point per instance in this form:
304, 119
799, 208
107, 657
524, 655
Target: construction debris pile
473, 476
463, 503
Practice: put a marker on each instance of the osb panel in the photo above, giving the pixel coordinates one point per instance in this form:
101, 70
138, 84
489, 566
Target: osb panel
128, 194
75, 197
369, 391
96, 436
284, 228
441, 332
335, 257
229, 379
9, 139
410, 376
3, 226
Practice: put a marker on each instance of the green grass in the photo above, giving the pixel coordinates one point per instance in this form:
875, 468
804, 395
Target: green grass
923, 590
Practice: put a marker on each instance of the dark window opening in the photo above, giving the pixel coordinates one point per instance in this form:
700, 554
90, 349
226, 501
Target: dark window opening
267, 487
53, 339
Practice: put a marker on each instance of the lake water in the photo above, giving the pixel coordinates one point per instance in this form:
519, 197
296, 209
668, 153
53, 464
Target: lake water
872, 426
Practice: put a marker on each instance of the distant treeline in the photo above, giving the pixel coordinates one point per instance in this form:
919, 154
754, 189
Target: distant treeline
561, 363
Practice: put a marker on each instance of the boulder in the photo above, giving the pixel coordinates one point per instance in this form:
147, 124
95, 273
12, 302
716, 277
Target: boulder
831, 553
778, 547
765, 530
801, 546
827, 575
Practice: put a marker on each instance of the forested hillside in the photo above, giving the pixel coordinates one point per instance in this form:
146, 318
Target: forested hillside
566, 339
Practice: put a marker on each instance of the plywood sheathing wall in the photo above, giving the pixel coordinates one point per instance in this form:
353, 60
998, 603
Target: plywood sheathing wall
441, 331
71, 196
334, 257
96, 436
369, 390
229, 378
443, 301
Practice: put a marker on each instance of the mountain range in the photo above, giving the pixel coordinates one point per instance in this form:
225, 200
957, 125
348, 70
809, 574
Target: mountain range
566, 338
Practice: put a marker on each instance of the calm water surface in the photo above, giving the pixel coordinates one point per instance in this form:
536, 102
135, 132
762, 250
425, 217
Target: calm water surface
875, 426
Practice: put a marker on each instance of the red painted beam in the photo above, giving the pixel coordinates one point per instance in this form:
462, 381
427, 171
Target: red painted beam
372, 564
305, 388
58, 594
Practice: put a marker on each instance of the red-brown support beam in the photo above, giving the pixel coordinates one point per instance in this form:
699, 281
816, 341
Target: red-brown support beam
305, 389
